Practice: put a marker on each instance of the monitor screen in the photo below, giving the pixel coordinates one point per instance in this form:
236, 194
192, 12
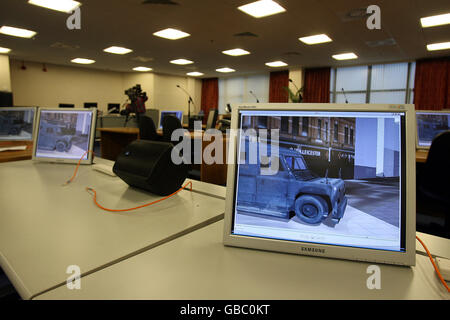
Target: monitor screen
66, 105
88, 105
64, 135
113, 108
429, 125
16, 123
320, 177
177, 114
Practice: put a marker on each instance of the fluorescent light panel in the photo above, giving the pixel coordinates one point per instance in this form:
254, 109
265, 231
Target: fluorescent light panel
275, 64
262, 8
236, 52
316, 39
195, 74
171, 34
142, 69
438, 46
4, 50
118, 50
82, 61
225, 70
17, 32
434, 21
58, 5
345, 56
181, 61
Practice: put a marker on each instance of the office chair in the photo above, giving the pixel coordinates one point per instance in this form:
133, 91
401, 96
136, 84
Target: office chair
433, 183
169, 125
212, 119
147, 129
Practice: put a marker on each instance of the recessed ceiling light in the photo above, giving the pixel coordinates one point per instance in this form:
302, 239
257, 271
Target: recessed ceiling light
433, 21
262, 8
118, 50
17, 32
58, 5
438, 46
171, 34
275, 64
345, 56
82, 61
195, 74
236, 52
316, 39
142, 69
225, 70
4, 50
181, 61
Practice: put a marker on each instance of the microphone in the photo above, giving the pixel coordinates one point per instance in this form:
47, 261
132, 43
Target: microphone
257, 100
346, 101
292, 81
190, 98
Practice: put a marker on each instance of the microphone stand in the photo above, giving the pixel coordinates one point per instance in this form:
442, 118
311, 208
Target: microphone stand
189, 103
257, 100
346, 101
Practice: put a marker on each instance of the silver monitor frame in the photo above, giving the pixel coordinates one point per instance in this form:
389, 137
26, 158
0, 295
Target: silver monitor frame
90, 155
35, 111
161, 112
417, 125
406, 258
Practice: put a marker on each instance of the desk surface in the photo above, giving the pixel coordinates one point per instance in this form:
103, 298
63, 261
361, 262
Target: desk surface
7, 156
45, 227
198, 266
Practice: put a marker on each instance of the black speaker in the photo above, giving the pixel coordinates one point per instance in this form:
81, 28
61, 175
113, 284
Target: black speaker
148, 165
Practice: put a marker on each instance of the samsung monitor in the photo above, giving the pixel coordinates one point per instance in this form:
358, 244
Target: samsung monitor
16, 123
429, 125
113, 108
65, 135
177, 114
89, 105
66, 105
325, 180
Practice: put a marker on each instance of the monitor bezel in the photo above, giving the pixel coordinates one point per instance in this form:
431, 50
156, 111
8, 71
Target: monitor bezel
163, 111
35, 111
417, 125
406, 258
90, 155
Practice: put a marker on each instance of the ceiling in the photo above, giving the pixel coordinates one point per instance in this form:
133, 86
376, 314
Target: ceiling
213, 25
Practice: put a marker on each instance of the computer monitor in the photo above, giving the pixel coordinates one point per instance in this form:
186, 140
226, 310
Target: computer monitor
178, 114
66, 105
327, 180
88, 105
429, 125
212, 119
113, 108
65, 135
6, 99
16, 123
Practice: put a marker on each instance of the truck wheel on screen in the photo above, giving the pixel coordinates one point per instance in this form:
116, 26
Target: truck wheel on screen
60, 146
310, 209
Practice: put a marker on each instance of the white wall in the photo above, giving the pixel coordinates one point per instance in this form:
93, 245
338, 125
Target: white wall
5, 79
75, 85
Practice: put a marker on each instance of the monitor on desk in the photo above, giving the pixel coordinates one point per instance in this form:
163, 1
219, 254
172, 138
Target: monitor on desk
89, 105
429, 125
65, 135
16, 123
177, 114
326, 180
113, 108
66, 105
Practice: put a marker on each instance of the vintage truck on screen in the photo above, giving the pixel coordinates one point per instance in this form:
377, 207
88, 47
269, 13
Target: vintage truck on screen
10, 126
53, 137
294, 189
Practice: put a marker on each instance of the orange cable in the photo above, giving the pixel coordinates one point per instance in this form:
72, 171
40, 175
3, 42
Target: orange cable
76, 169
434, 265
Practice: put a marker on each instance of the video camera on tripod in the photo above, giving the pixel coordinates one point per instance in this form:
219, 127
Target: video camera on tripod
137, 102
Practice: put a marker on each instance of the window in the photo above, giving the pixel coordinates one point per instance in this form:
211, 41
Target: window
346, 135
381, 83
284, 124
296, 163
295, 126
305, 124
351, 136
319, 128
326, 131
336, 132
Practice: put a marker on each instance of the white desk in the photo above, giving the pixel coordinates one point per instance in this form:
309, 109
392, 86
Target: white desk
198, 266
45, 227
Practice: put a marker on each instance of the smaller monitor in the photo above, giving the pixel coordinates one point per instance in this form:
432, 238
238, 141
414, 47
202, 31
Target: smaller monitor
113, 108
6, 99
212, 119
16, 123
429, 125
177, 114
66, 105
88, 105
64, 135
